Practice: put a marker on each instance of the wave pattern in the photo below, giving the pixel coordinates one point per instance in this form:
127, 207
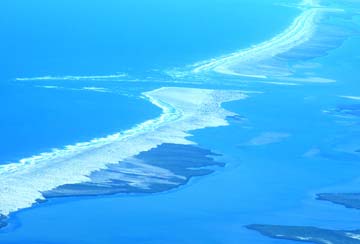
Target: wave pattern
184, 109
322, 26
312, 34
74, 77
240, 63
59, 172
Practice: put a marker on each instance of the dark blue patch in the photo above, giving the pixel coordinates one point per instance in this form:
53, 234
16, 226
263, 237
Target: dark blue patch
349, 200
163, 168
352, 109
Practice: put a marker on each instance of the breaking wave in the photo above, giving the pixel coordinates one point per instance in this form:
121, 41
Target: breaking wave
318, 29
183, 110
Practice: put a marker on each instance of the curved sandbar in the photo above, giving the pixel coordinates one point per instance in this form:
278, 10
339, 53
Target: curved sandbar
183, 110
272, 58
299, 32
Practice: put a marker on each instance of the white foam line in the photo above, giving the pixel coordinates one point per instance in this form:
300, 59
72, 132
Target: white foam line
351, 97
71, 77
95, 89
183, 110
299, 32
281, 83
50, 87
86, 88
309, 80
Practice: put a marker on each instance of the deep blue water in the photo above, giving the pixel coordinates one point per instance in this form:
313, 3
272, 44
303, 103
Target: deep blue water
34, 120
268, 184
97, 37
102, 38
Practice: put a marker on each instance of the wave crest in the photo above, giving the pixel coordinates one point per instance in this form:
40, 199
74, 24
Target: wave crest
184, 109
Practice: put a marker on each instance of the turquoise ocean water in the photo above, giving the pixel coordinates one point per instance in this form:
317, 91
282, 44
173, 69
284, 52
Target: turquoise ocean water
290, 145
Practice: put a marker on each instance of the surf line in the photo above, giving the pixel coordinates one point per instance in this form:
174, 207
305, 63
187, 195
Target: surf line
183, 110
299, 32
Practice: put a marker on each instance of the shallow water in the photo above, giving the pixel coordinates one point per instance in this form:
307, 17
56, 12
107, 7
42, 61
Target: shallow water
288, 143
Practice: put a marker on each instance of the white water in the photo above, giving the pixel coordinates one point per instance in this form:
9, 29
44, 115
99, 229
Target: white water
272, 59
299, 32
351, 97
183, 110
73, 77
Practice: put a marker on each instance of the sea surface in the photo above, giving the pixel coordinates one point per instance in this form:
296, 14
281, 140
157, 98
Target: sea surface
288, 128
